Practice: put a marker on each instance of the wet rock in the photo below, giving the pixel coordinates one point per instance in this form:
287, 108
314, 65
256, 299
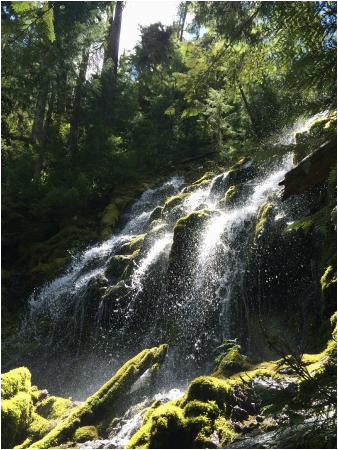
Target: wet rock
286, 371
156, 214
238, 427
238, 414
42, 395
117, 264
239, 173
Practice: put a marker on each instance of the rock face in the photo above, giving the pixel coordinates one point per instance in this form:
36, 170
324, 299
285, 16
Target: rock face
312, 170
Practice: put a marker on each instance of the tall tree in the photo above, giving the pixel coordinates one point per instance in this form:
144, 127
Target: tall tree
111, 55
78, 94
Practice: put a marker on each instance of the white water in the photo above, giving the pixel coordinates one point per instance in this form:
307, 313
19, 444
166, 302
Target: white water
227, 221
132, 420
56, 295
155, 251
302, 125
217, 270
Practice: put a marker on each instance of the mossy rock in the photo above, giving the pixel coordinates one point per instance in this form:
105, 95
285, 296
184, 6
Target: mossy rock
193, 220
230, 197
207, 389
16, 415
232, 362
134, 244
53, 408
163, 428
186, 423
38, 428
85, 434
98, 409
156, 214
173, 201
109, 219
118, 263
321, 130
196, 408
47, 259
202, 182
14, 381
16, 406
185, 240
328, 283
263, 216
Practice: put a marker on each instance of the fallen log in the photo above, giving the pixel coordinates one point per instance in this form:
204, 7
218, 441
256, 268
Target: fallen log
101, 405
311, 171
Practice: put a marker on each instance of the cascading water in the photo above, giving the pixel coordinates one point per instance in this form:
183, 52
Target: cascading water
149, 309
188, 302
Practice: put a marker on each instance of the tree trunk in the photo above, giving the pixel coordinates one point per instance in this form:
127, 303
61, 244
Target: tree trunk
50, 110
248, 110
116, 36
112, 49
182, 21
76, 113
38, 130
110, 64
61, 72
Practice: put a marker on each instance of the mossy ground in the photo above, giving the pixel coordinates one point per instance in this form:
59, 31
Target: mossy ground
203, 413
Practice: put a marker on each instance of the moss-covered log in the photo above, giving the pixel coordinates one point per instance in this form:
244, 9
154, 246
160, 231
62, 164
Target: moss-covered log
99, 407
311, 171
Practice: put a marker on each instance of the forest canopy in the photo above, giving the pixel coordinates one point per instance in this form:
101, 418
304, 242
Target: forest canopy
78, 119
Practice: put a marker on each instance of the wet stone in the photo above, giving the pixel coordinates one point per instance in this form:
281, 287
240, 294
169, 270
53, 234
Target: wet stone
238, 414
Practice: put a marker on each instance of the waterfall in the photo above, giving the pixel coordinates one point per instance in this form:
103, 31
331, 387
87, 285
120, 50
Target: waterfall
148, 308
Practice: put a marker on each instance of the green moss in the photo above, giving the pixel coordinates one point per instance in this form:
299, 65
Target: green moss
192, 220
321, 130
164, 428
204, 180
188, 423
136, 242
37, 429
84, 434
262, 218
232, 362
119, 263
197, 408
53, 408
99, 408
173, 201
207, 389
328, 279
109, 219
229, 197
225, 431
16, 415
14, 381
